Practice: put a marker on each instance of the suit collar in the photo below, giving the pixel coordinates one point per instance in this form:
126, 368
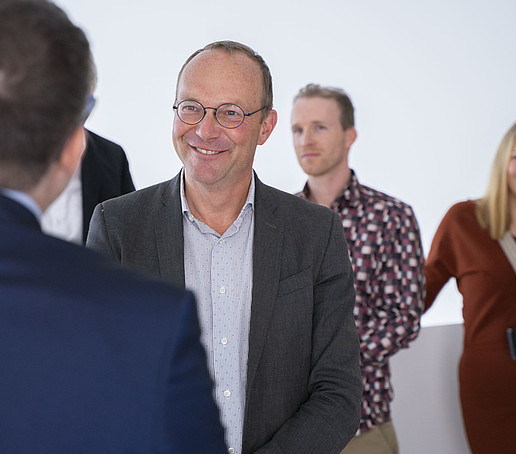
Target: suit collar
13, 211
168, 227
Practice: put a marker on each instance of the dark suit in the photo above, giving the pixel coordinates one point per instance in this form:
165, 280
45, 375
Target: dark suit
304, 386
95, 359
104, 175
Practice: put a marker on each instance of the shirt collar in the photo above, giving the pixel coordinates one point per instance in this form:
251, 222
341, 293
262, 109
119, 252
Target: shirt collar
23, 199
248, 203
349, 196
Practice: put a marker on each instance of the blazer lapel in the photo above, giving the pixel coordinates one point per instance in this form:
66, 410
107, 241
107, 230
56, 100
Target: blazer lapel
168, 230
267, 252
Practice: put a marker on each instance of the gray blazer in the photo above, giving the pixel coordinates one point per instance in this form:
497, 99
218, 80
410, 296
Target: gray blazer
304, 384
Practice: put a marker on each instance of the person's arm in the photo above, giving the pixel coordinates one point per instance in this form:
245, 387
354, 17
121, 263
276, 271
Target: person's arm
390, 319
329, 418
98, 236
126, 181
440, 263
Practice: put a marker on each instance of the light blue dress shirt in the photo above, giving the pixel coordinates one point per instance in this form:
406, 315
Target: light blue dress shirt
219, 271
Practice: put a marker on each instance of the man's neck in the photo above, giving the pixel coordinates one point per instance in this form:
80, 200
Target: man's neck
325, 189
216, 207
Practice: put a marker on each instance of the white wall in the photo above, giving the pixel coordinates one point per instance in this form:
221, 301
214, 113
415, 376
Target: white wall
432, 82
433, 86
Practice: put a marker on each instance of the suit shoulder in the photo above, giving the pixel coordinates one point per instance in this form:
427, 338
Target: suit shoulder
301, 218
101, 152
105, 280
140, 199
296, 205
99, 142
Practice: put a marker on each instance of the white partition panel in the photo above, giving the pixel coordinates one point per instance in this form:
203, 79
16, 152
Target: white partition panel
426, 408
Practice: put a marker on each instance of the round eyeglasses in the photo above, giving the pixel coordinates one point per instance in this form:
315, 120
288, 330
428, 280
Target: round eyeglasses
228, 115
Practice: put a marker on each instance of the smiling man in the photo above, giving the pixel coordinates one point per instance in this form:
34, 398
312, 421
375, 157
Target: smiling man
385, 250
270, 271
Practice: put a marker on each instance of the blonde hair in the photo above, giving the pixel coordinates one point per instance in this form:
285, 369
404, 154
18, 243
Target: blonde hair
492, 210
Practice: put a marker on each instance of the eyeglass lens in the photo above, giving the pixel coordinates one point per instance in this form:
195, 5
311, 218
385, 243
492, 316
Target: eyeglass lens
228, 115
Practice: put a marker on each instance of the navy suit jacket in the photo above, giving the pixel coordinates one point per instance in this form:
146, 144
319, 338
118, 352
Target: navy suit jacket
104, 175
95, 359
304, 386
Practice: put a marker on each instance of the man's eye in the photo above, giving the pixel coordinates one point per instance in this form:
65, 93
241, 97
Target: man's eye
190, 108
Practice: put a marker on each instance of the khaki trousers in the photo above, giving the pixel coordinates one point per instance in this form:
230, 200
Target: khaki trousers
379, 440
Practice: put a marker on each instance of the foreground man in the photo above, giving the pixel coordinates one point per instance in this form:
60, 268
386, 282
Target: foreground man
271, 271
385, 250
94, 359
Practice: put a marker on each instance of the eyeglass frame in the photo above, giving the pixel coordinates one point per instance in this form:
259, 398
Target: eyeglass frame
176, 108
90, 104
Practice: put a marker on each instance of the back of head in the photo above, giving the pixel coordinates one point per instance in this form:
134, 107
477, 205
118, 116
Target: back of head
45, 77
347, 112
233, 46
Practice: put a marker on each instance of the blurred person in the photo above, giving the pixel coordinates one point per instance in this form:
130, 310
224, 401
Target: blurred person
475, 244
384, 246
103, 173
94, 359
271, 273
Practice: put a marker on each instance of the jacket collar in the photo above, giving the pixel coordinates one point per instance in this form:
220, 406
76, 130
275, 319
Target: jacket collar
13, 211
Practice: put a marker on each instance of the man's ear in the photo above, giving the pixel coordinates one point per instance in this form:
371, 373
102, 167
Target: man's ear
351, 136
72, 151
268, 125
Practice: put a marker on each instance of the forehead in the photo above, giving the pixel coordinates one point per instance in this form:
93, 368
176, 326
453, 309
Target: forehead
217, 76
315, 108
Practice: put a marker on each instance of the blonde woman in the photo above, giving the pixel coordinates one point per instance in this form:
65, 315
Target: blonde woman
476, 244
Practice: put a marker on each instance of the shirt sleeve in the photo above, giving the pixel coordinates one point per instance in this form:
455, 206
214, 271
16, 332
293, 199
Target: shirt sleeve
440, 265
388, 312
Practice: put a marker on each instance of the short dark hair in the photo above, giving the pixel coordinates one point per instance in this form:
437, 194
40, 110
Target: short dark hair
46, 73
233, 46
347, 112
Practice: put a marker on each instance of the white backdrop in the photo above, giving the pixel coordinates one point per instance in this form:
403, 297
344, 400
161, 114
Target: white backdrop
432, 82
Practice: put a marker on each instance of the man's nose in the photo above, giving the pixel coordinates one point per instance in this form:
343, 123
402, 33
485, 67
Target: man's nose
208, 127
305, 138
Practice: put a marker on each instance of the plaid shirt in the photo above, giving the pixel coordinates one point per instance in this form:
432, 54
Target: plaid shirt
387, 258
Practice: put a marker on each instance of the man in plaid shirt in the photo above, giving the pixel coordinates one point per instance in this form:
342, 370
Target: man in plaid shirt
384, 246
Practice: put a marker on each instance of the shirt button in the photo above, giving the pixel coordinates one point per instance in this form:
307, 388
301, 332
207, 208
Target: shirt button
227, 393
222, 290
190, 218
231, 451
221, 241
224, 341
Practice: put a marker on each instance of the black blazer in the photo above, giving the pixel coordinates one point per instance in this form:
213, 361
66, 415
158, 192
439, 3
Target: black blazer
104, 175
